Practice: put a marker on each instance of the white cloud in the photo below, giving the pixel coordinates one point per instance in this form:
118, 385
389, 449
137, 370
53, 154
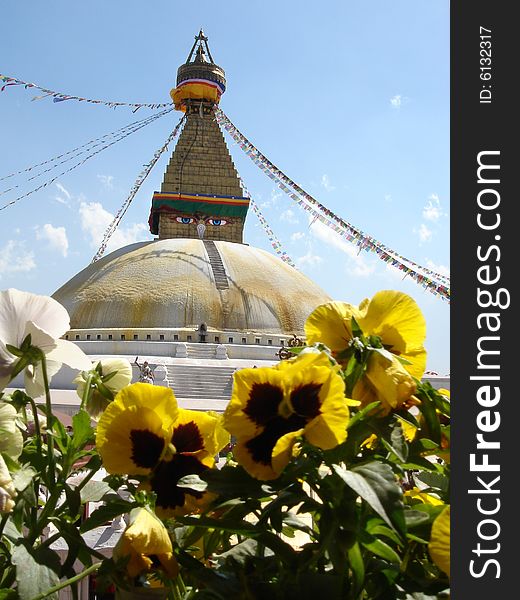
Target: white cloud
425, 234
441, 269
309, 259
65, 197
325, 182
107, 181
388, 198
56, 237
432, 211
289, 216
396, 101
298, 235
95, 220
276, 194
358, 264
14, 258
64, 191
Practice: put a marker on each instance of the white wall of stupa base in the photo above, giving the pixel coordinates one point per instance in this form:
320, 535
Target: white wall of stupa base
200, 374
162, 336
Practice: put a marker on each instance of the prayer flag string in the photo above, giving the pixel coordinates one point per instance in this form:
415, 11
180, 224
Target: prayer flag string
81, 162
434, 282
61, 97
275, 242
138, 182
65, 157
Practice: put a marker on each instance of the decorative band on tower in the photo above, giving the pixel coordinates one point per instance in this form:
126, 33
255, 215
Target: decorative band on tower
199, 79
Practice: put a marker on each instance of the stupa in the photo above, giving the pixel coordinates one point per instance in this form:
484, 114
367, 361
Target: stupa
197, 302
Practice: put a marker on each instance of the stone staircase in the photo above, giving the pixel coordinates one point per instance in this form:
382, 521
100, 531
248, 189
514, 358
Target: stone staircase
198, 381
201, 350
217, 266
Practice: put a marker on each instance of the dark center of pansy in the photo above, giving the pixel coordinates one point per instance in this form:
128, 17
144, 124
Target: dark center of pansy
147, 448
261, 447
187, 438
305, 400
167, 474
264, 406
264, 400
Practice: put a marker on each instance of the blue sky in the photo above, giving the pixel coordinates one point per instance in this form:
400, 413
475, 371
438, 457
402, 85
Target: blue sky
350, 99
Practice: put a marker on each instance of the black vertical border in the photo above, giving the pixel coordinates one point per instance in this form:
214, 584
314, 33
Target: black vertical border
478, 127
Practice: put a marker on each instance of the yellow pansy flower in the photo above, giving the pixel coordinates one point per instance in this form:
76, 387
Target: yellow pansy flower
391, 315
416, 494
386, 380
147, 544
196, 437
135, 429
272, 406
439, 546
396, 319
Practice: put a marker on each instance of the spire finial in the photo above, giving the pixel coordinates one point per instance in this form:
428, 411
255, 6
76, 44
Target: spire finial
199, 78
201, 49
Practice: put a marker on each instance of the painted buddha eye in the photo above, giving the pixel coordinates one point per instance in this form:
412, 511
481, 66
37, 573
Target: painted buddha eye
217, 222
185, 220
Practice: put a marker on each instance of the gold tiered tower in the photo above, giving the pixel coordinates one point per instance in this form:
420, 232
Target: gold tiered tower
201, 196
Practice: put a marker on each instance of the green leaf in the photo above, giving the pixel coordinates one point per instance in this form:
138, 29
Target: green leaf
239, 553
83, 430
114, 507
441, 403
6, 594
427, 408
233, 482
233, 526
417, 463
291, 520
415, 518
193, 482
32, 578
243, 528
376, 527
73, 502
435, 480
10, 530
362, 414
23, 477
356, 329
14, 350
358, 568
379, 548
397, 444
376, 484
19, 399
407, 417
427, 444
94, 491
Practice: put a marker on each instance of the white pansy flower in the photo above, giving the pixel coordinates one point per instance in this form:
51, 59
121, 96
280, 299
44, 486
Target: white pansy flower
11, 439
45, 320
108, 376
7, 490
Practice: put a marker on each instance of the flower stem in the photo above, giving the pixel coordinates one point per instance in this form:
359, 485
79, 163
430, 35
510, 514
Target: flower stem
86, 392
3, 521
37, 429
68, 582
50, 417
